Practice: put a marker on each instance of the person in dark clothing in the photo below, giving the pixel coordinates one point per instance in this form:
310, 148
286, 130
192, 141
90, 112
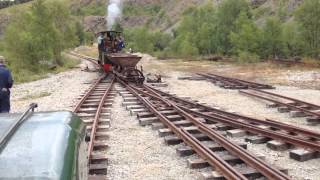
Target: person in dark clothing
6, 83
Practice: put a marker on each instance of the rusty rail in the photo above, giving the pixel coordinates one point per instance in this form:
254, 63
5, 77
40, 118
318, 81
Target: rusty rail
97, 160
88, 58
299, 105
90, 90
228, 171
96, 118
234, 83
307, 139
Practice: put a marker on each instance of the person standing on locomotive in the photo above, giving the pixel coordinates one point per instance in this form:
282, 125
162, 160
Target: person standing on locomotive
6, 83
121, 44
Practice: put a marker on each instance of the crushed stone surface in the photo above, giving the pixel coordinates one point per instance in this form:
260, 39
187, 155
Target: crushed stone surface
138, 152
57, 92
231, 100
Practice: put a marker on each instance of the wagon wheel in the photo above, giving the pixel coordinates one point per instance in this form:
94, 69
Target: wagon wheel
133, 75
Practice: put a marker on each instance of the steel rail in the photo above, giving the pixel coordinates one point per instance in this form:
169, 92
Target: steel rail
96, 118
213, 159
272, 123
240, 80
248, 158
286, 97
281, 103
88, 93
254, 129
244, 155
13, 128
225, 81
93, 60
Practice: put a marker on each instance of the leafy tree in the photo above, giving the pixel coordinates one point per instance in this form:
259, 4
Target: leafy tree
35, 37
273, 42
308, 16
292, 40
246, 37
66, 31
227, 13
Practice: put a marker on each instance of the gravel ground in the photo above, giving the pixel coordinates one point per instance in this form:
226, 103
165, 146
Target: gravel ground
231, 100
137, 152
57, 92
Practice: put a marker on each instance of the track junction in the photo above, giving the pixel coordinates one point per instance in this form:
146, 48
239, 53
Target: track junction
202, 130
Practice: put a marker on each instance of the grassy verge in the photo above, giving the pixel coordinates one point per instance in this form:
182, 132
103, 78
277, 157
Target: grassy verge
23, 76
35, 96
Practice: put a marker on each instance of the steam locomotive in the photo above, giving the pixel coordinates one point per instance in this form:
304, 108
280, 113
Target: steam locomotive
113, 59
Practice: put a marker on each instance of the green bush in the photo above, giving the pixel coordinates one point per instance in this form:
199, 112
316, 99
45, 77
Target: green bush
247, 57
143, 40
93, 9
34, 39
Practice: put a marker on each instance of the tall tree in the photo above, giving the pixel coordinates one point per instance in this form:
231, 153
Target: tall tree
272, 42
227, 13
35, 37
246, 36
308, 16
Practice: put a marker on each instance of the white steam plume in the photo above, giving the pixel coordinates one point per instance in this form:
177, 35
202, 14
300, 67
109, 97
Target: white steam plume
114, 12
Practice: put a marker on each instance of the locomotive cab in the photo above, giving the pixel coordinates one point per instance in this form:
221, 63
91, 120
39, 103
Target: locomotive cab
109, 42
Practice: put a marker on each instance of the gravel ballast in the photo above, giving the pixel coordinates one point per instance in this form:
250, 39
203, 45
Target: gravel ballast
231, 100
138, 152
58, 92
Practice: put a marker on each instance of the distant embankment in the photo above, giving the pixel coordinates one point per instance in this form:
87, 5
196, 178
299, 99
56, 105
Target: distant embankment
7, 3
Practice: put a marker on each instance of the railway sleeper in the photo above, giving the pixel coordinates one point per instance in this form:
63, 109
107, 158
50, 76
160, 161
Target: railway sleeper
150, 120
100, 145
248, 172
256, 139
98, 169
124, 104
99, 128
283, 109
236, 133
294, 114
174, 140
191, 129
182, 123
98, 158
87, 110
313, 120
188, 151
101, 136
133, 112
200, 163
303, 154
149, 114
278, 145
130, 99
134, 107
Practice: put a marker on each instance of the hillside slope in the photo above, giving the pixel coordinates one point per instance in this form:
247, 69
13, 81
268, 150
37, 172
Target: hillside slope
156, 14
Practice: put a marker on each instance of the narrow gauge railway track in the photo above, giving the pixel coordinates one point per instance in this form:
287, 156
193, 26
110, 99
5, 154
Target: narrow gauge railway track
90, 59
297, 108
94, 109
193, 131
233, 83
264, 131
